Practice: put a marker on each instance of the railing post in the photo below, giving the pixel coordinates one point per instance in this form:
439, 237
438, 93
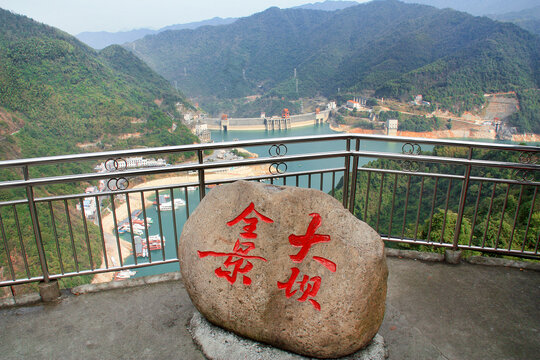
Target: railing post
346, 175
202, 183
35, 226
354, 177
462, 200
49, 290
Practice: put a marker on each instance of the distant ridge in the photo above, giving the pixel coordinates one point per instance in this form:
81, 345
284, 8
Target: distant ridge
479, 7
328, 5
101, 39
529, 19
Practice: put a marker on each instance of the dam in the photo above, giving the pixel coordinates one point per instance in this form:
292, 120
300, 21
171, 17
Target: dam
267, 123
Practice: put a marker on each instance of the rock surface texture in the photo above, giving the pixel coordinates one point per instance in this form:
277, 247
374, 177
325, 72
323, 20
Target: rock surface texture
286, 266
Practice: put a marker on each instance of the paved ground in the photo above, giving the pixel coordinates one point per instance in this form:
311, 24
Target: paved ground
434, 311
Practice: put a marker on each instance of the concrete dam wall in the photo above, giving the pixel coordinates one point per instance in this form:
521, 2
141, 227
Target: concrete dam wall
267, 123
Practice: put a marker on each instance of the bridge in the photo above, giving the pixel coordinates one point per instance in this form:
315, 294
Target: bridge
266, 122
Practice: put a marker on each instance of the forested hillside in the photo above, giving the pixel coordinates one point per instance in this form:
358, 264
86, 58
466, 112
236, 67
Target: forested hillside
492, 212
58, 96
62, 93
395, 49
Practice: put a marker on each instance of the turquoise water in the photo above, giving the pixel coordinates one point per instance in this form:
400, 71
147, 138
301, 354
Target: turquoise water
303, 148
294, 149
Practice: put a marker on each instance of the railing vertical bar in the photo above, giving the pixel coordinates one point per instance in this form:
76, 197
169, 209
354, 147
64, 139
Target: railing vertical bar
143, 205
346, 174
101, 233
530, 217
333, 183
380, 201
23, 248
366, 204
489, 214
432, 209
352, 199
418, 210
132, 232
187, 202
70, 229
473, 225
35, 226
115, 229
393, 203
297, 180
406, 206
502, 217
518, 207
55, 233
322, 182
86, 236
537, 243
462, 200
6, 248
446, 210
284, 181
202, 183
174, 224
309, 181
161, 226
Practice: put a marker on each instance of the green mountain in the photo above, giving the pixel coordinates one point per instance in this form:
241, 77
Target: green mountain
392, 48
57, 93
257, 53
211, 60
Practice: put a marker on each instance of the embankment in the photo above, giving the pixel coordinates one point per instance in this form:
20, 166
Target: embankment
443, 134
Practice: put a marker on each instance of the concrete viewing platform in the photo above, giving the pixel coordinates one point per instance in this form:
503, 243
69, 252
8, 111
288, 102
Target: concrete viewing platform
433, 311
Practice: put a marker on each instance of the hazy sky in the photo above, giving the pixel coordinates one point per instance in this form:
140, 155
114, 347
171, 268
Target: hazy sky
75, 16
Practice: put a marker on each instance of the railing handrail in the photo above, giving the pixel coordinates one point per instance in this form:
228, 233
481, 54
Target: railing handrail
285, 140
264, 160
165, 170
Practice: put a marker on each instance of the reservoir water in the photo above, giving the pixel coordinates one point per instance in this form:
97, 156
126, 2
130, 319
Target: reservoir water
217, 136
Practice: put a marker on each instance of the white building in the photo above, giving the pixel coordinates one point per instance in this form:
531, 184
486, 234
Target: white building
392, 127
353, 104
331, 105
140, 162
201, 130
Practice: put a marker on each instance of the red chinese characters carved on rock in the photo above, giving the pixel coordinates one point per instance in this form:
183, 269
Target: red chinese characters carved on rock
308, 286
239, 256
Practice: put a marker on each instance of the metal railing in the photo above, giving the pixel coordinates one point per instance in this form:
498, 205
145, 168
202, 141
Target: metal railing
417, 193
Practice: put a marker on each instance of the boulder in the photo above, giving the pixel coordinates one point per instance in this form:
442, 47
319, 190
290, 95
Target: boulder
285, 266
